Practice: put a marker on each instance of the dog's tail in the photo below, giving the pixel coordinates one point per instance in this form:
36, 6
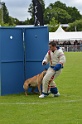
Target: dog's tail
23, 87
25, 90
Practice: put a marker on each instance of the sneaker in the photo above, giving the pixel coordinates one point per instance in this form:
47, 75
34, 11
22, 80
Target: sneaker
57, 94
42, 96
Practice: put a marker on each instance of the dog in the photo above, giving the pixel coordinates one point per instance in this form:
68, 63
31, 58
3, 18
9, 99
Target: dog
34, 82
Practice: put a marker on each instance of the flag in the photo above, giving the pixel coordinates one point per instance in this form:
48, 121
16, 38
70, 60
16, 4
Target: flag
38, 13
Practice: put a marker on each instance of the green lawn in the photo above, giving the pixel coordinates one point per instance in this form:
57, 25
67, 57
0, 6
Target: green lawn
66, 109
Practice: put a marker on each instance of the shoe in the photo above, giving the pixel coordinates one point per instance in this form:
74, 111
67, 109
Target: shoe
57, 94
42, 96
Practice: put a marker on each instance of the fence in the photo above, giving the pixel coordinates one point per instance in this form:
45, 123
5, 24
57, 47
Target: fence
71, 48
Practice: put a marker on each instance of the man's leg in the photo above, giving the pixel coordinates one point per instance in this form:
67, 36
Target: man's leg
53, 87
49, 74
48, 81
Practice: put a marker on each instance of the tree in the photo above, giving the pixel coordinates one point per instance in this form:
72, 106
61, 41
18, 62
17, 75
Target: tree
74, 13
5, 14
1, 13
61, 12
75, 26
1, 16
53, 25
7, 20
59, 4
26, 22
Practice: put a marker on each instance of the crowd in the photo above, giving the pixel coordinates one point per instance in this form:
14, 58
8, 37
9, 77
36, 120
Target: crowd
71, 45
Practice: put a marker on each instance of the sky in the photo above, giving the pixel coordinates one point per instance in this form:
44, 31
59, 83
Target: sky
19, 8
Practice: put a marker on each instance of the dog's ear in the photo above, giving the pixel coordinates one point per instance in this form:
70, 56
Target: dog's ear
44, 73
45, 69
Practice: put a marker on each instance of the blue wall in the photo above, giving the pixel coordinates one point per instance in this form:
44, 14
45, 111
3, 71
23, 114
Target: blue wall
36, 47
21, 54
11, 60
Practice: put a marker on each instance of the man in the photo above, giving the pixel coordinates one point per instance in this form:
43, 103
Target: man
56, 58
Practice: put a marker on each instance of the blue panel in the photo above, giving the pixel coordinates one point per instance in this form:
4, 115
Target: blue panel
11, 44
12, 78
36, 43
12, 56
36, 40
11, 60
34, 68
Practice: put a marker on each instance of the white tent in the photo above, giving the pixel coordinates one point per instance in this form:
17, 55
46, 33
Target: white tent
59, 30
60, 34
73, 35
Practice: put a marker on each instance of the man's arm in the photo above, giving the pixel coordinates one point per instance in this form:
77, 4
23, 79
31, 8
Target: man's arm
62, 60
46, 59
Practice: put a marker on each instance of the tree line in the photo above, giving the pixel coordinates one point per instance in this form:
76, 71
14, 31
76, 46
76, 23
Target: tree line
56, 13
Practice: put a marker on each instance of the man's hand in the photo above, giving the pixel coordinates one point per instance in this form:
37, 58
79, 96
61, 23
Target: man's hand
44, 63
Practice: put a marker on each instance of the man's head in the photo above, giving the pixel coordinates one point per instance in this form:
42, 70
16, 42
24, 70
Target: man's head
52, 45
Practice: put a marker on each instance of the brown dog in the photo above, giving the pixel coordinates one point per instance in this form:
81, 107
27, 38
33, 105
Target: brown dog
35, 81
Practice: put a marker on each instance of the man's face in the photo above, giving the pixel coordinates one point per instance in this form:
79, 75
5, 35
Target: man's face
52, 48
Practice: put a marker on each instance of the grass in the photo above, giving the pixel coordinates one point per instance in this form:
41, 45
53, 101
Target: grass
66, 109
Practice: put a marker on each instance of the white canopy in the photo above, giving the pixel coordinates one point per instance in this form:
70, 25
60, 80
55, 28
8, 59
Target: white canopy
60, 34
59, 29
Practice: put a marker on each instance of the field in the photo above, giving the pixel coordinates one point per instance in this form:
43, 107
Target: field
66, 109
